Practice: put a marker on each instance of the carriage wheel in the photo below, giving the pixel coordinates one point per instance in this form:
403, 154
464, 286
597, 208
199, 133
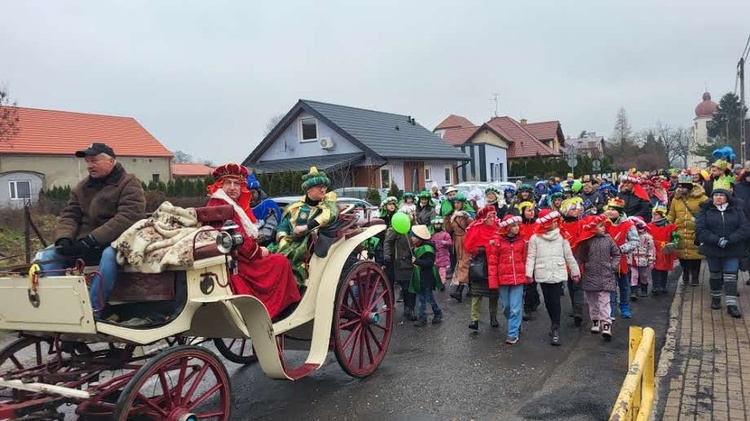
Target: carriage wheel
182, 383
32, 351
238, 351
363, 319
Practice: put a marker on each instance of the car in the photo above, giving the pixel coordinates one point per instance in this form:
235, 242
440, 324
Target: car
359, 192
283, 201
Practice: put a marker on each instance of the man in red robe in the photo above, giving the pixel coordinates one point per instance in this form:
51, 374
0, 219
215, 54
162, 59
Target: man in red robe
260, 274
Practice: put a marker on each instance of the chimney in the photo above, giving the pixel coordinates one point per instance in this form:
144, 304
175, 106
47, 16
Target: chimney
524, 121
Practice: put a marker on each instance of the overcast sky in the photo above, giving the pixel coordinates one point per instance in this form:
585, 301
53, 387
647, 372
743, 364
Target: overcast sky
206, 76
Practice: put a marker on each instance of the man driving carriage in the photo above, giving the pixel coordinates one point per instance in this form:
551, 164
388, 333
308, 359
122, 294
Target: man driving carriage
101, 207
316, 209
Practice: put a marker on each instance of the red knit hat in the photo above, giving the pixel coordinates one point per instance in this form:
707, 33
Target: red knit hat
546, 218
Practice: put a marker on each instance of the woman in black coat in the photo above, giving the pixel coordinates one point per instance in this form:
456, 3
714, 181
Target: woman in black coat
722, 231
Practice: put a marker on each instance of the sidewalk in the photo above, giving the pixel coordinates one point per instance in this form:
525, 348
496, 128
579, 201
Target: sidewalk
709, 375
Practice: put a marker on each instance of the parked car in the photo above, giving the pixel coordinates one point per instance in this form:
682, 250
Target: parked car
359, 192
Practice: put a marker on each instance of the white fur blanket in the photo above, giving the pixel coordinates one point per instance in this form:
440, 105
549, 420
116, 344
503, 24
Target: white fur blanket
165, 239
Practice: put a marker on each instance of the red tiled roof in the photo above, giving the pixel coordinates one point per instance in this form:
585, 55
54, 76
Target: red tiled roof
454, 121
544, 130
191, 170
458, 136
50, 132
522, 143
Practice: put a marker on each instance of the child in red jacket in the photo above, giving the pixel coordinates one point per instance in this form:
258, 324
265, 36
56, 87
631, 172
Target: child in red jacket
506, 267
666, 237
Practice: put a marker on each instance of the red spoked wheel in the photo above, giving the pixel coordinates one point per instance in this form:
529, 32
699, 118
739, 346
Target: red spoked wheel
32, 351
238, 351
184, 383
363, 319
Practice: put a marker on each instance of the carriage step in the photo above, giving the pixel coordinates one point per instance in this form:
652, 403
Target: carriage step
301, 371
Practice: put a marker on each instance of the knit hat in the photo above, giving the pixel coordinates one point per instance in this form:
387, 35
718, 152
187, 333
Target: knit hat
509, 220
660, 209
546, 218
409, 195
723, 185
230, 170
572, 203
315, 178
252, 182
638, 222
421, 232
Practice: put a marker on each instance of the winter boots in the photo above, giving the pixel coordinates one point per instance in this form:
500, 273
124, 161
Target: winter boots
554, 336
458, 294
734, 312
595, 327
730, 289
644, 290
437, 318
474, 325
493, 320
625, 310
607, 331
716, 303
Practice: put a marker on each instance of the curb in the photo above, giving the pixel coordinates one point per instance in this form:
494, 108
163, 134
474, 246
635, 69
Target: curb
668, 350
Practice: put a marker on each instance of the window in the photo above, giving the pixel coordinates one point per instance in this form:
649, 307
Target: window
385, 178
492, 172
155, 178
308, 129
427, 174
20, 190
500, 176
448, 175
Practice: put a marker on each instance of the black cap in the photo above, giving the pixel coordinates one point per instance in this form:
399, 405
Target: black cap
96, 149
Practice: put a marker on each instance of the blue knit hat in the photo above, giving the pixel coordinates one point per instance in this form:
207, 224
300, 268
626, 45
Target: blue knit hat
252, 182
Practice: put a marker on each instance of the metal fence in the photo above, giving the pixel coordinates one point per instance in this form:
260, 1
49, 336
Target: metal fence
636, 397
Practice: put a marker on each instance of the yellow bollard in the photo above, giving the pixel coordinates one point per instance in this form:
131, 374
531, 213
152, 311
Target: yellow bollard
637, 393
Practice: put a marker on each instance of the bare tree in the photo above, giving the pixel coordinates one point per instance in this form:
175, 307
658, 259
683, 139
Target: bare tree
181, 157
675, 141
8, 116
272, 122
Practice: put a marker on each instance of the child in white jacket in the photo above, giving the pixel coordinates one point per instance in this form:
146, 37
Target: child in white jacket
548, 261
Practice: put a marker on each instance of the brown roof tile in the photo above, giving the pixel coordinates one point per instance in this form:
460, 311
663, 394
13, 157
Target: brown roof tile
458, 136
51, 132
543, 130
454, 121
522, 143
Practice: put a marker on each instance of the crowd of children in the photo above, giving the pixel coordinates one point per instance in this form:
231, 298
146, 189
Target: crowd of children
605, 245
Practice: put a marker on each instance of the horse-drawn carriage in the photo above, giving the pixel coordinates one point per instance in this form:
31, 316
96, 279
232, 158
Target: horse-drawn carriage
116, 370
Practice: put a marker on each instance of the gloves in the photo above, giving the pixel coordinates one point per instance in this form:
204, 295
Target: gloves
723, 242
88, 242
67, 247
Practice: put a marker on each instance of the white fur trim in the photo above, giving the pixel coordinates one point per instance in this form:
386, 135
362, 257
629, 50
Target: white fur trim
247, 224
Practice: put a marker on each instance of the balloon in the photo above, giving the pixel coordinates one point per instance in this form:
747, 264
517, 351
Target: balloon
401, 223
705, 175
577, 185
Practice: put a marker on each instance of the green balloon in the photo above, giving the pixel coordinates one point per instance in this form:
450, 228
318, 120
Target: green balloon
401, 223
577, 186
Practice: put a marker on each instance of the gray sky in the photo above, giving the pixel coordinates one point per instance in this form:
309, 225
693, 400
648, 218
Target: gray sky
206, 76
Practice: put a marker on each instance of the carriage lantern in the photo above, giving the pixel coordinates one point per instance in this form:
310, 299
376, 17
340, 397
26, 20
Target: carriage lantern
229, 238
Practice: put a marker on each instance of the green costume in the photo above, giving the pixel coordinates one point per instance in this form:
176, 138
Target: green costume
310, 214
415, 285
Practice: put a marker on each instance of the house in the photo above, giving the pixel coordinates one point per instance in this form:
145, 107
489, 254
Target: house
41, 155
590, 145
494, 145
357, 147
191, 171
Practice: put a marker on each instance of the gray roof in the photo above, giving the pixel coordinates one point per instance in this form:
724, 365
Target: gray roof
323, 163
380, 135
378, 131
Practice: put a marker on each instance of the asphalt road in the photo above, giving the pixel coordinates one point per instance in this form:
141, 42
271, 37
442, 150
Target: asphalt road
447, 372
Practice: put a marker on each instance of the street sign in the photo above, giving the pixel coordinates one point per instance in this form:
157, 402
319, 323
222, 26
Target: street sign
572, 161
596, 165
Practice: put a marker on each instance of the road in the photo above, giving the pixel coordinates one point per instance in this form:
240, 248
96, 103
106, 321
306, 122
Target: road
448, 372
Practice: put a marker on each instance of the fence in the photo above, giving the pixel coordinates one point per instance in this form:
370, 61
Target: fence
637, 394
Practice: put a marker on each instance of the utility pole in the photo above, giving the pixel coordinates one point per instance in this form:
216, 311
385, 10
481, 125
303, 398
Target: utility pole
743, 144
